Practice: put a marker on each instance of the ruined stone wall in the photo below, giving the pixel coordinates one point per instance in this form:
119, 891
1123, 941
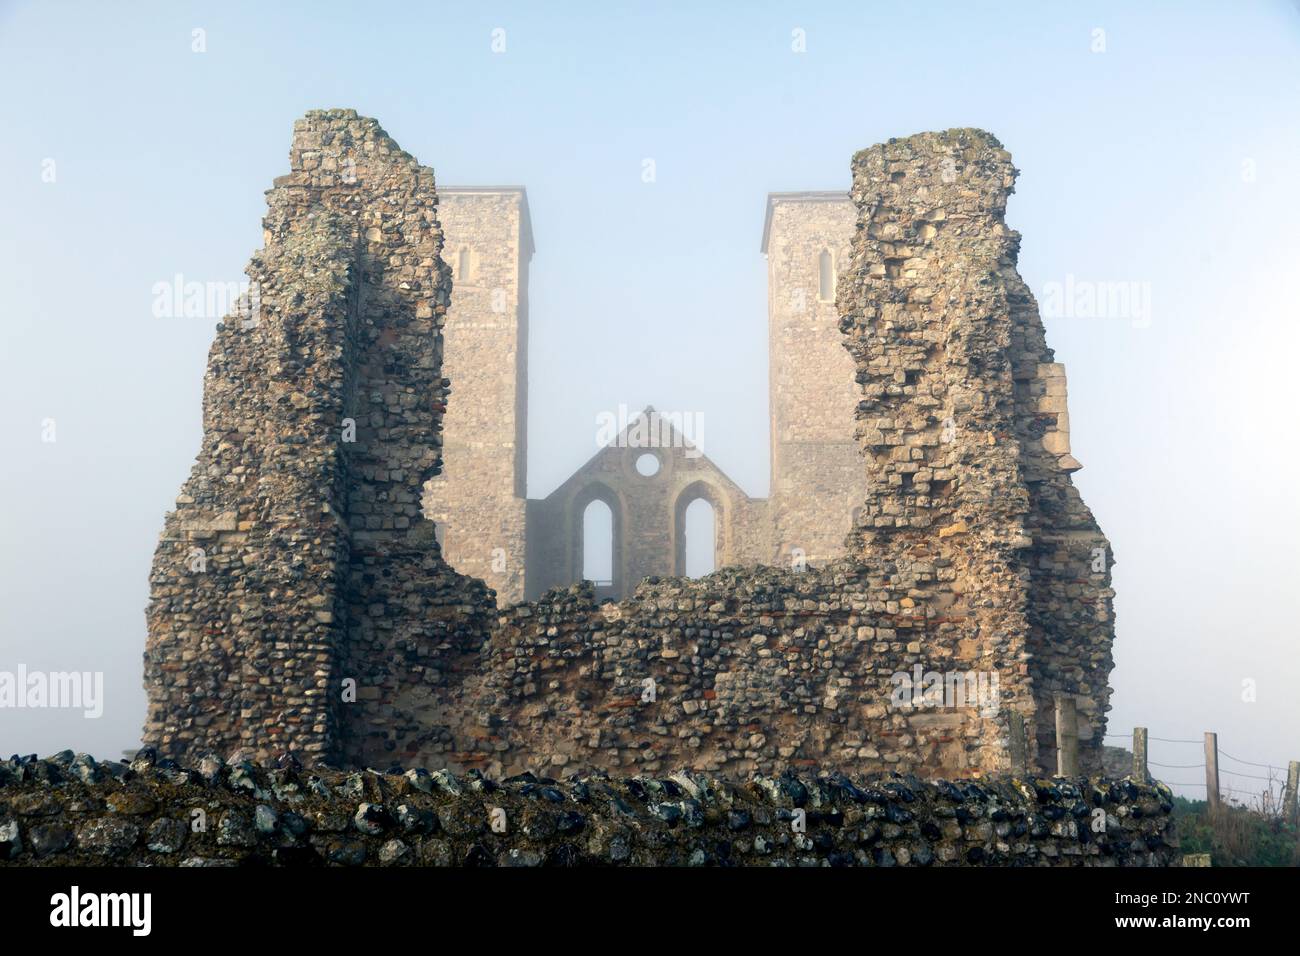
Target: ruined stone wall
742, 671
479, 498
319, 603
971, 508
71, 810
818, 477
326, 621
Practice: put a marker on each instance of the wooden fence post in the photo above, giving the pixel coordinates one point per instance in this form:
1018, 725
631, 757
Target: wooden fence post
1288, 798
1016, 726
1067, 736
1140, 754
1212, 770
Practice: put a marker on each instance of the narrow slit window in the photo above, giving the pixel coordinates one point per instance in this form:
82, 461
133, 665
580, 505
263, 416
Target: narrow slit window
825, 277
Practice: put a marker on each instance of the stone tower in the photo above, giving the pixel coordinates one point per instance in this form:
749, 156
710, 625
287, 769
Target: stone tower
964, 427
818, 478
478, 501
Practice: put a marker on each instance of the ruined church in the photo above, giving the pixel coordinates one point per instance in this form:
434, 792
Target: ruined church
652, 472
330, 583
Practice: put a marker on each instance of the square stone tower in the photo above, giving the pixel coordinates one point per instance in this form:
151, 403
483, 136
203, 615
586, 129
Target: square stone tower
478, 502
818, 476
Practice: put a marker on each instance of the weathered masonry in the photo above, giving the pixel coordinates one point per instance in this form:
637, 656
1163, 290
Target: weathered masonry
301, 601
71, 810
295, 571
479, 499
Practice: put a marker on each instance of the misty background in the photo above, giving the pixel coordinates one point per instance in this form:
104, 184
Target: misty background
1166, 158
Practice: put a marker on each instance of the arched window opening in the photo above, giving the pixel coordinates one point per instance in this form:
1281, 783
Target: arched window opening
825, 277
463, 265
598, 544
701, 539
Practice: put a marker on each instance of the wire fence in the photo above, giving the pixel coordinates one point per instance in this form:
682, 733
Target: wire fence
1280, 780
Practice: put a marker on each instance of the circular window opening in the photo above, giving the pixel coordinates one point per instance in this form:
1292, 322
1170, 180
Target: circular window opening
648, 465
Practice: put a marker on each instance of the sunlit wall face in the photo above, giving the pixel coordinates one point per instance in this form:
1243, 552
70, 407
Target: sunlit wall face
1157, 149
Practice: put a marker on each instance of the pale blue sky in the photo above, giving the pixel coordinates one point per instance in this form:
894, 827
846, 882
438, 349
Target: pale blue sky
1133, 167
